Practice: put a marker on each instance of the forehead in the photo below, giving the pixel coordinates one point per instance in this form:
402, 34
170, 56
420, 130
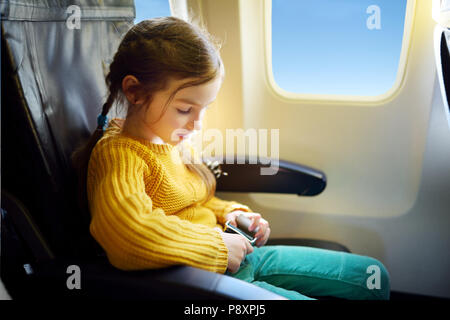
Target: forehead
197, 95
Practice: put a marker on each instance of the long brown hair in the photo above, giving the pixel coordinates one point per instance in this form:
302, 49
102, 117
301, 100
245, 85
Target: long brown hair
155, 51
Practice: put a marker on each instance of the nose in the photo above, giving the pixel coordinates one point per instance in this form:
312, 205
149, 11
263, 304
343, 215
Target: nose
194, 125
196, 122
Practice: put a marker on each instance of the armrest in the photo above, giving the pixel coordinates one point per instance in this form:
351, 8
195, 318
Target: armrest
100, 280
288, 177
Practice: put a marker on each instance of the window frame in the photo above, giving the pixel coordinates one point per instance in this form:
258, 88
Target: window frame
287, 96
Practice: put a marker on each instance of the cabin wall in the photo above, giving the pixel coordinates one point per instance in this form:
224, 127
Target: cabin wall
386, 161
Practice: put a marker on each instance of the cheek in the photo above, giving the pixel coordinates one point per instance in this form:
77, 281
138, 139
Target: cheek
174, 121
178, 121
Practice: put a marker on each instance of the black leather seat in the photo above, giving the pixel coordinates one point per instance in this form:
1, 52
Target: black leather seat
442, 46
52, 90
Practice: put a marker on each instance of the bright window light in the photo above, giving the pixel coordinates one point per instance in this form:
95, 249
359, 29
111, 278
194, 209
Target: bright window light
339, 47
146, 9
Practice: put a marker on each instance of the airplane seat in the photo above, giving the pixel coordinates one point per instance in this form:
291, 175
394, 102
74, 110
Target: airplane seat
442, 44
53, 66
441, 15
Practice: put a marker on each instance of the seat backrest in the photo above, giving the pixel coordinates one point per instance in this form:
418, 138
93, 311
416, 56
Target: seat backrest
55, 56
444, 70
441, 15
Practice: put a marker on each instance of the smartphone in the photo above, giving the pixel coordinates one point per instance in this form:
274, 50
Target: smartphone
243, 224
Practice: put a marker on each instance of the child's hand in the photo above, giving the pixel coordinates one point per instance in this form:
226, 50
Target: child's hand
238, 247
262, 234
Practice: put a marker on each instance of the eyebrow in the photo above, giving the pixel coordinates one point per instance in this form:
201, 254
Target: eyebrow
191, 102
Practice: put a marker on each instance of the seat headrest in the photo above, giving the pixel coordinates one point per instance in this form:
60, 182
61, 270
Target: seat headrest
59, 55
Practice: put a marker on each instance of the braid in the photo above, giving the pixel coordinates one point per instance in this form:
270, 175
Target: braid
102, 120
80, 158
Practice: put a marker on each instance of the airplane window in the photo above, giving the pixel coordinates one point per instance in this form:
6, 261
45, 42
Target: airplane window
151, 9
345, 47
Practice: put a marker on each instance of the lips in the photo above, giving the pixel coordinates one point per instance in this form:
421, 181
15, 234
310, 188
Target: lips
184, 135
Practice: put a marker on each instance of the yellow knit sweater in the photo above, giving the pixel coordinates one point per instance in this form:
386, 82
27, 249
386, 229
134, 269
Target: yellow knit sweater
148, 209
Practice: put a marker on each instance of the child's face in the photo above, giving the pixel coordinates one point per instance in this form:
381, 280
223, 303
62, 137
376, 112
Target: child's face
184, 113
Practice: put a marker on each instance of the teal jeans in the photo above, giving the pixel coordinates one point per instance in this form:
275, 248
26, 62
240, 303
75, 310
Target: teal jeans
301, 273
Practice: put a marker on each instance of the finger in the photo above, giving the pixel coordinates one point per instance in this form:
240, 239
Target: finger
263, 225
263, 240
259, 234
248, 246
255, 223
232, 218
260, 242
233, 270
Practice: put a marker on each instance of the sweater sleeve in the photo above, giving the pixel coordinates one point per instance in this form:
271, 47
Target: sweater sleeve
222, 207
133, 233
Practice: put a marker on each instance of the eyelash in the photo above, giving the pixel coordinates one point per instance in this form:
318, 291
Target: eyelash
184, 112
187, 111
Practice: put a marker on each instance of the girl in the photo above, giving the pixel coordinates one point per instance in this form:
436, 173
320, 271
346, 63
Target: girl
151, 210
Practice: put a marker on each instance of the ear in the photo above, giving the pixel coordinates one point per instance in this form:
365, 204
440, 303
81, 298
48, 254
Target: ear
130, 85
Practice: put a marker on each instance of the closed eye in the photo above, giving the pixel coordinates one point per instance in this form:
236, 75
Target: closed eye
184, 112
